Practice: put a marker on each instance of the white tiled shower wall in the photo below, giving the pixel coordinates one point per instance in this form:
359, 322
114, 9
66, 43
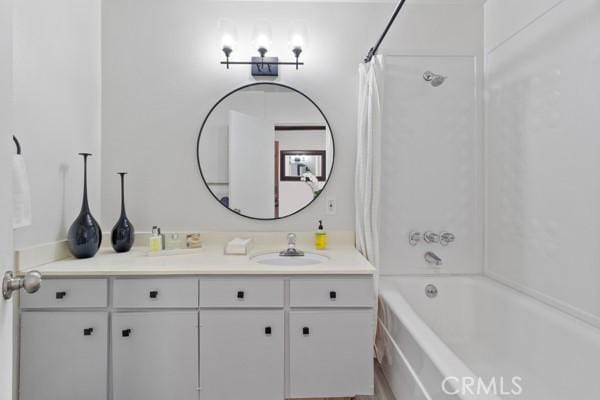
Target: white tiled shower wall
432, 139
543, 150
431, 164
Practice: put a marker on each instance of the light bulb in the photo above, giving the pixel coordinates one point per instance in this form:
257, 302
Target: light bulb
298, 37
228, 34
227, 41
262, 41
262, 37
297, 41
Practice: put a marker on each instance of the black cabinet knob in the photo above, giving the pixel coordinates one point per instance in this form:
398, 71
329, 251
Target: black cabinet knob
60, 295
268, 330
333, 295
88, 331
126, 332
153, 294
306, 331
240, 295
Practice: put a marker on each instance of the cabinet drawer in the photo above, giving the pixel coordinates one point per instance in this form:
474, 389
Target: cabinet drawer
68, 293
155, 293
351, 292
234, 293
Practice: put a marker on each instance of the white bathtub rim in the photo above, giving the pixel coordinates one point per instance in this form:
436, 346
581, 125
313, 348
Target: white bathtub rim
446, 361
413, 373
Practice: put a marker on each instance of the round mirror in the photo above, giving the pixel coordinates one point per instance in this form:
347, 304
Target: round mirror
265, 151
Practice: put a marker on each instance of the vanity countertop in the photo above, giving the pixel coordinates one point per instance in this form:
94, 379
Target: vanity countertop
209, 260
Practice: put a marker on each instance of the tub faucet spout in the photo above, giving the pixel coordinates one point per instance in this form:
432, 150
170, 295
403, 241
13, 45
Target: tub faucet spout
433, 259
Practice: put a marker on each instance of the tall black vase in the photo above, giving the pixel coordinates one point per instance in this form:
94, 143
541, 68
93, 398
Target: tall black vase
123, 233
85, 235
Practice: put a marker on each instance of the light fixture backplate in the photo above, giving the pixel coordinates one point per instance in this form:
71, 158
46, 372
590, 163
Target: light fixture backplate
266, 66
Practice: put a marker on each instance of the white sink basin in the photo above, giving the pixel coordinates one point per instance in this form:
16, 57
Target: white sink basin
296, 261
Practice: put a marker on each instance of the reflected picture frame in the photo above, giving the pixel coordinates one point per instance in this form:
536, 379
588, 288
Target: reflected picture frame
284, 154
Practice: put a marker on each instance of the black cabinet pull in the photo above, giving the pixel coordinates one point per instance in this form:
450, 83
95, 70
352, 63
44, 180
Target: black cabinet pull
60, 295
306, 331
240, 295
88, 331
333, 295
126, 332
268, 330
153, 294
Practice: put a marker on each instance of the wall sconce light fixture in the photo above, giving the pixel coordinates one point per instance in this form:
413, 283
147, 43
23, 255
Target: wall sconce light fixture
261, 39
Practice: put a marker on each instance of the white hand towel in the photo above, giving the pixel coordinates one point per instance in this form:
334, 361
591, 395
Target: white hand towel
238, 246
21, 194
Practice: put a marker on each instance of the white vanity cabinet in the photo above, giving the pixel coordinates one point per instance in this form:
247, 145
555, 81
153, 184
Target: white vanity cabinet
211, 337
155, 355
64, 355
331, 327
242, 354
330, 353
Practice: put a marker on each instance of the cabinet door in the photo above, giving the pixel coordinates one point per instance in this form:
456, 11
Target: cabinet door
331, 353
155, 355
64, 356
242, 354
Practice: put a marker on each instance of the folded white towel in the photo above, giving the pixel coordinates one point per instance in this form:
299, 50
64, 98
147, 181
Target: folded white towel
21, 194
238, 246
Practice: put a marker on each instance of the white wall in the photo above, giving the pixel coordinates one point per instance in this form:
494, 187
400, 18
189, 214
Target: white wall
432, 139
161, 75
543, 197
57, 109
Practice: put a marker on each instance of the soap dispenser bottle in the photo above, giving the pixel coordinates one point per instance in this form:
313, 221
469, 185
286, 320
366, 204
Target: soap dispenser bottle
320, 237
155, 240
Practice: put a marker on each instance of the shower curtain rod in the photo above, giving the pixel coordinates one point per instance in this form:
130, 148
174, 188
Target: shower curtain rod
374, 49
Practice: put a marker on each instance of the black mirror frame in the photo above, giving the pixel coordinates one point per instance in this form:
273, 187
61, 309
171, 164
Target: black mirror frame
245, 87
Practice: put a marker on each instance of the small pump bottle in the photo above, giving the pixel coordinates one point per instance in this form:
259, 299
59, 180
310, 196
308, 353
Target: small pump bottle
320, 237
155, 240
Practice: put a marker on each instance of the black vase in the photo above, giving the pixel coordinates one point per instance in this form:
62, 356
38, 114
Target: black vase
84, 236
123, 233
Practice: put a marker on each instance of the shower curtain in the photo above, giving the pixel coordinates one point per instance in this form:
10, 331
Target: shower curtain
368, 169
368, 159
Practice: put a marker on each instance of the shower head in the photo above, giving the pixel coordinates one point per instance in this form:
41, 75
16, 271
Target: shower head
435, 79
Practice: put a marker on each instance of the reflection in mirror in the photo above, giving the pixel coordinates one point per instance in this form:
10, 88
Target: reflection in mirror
265, 151
299, 165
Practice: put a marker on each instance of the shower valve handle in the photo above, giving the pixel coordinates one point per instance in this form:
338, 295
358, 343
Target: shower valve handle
446, 238
431, 237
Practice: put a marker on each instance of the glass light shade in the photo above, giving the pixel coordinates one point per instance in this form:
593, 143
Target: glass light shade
298, 36
227, 35
262, 35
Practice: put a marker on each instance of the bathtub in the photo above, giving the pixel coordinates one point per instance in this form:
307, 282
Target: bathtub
478, 339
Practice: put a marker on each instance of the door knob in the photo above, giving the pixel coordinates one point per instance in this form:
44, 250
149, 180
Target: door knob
31, 283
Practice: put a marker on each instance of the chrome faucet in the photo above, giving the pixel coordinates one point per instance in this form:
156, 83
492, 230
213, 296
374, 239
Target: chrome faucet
291, 250
433, 259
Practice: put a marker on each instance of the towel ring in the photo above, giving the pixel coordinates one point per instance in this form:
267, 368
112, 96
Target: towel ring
17, 144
